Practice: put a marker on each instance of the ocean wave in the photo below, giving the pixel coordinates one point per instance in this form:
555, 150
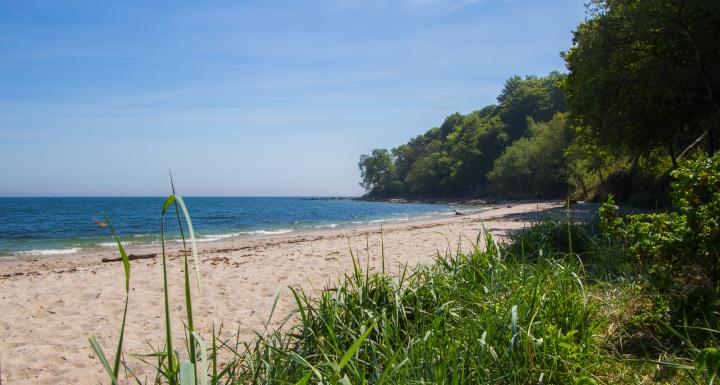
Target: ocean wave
72, 250
389, 220
328, 226
217, 237
113, 244
128, 243
213, 238
269, 232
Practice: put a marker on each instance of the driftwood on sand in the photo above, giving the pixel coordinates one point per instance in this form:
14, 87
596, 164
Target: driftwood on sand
131, 257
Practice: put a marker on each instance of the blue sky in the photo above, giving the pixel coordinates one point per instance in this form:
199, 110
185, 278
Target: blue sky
247, 97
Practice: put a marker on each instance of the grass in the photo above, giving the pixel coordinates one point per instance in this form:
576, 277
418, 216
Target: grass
470, 318
169, 367
557, 304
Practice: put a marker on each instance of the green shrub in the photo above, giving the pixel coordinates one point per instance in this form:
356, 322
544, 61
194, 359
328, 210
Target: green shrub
696, 195
678, 251
687, 237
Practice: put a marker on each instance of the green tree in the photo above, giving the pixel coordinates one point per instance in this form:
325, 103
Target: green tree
378, 174
407, 154
428, 176
537, 98
455, 158
472, 147
535, 165
646, 74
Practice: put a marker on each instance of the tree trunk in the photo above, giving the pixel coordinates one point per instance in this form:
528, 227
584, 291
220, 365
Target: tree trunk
712, 128
602, 179
671, 151
581, 182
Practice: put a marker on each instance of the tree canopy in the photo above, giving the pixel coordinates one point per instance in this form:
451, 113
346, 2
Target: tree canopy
645, 74
454, 159
535, 165
378, 173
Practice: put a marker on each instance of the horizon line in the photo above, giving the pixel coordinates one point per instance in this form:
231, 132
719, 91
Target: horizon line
187, 196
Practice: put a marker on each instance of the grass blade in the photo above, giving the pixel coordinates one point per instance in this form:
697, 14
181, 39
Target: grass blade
168, 331
103, 360
355, 346
203, 358
193, 243
126, 268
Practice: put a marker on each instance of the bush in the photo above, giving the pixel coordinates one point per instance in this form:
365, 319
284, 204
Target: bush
678, 250
696, 195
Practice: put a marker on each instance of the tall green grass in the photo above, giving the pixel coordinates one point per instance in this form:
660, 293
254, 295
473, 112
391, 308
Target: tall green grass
477, 317
169, 367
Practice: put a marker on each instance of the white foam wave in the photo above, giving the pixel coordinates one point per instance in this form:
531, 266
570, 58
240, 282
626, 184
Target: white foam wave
269, 232
329, 226
217, 237
389, 220
49, 251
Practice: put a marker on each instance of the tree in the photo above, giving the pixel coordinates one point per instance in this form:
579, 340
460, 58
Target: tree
538, 98
378, 174
535, 165
407, 154
646, 74
476, 142
455, 158
428, 176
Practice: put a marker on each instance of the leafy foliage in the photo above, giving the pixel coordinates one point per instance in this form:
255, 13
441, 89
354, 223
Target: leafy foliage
534, 166
646, 74
679, 249
378, 173
641, 94
696, 195
455, 158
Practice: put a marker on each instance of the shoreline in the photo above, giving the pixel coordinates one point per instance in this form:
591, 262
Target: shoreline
53, 303
102, 247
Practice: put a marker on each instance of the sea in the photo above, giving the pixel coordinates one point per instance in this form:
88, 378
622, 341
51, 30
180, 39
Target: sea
32, 226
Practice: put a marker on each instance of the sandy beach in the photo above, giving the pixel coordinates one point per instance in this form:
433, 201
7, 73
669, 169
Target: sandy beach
50, 305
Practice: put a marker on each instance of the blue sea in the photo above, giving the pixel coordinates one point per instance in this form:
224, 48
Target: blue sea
48, 226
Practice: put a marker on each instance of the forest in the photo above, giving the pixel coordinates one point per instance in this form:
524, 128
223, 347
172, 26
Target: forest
639, 95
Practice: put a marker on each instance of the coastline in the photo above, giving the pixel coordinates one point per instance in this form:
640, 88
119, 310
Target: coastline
83, 242
58, 301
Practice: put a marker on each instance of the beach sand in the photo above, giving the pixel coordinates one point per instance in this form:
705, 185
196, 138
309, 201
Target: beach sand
49, 306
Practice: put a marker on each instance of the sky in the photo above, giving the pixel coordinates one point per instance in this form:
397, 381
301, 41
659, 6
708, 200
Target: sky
239, 97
